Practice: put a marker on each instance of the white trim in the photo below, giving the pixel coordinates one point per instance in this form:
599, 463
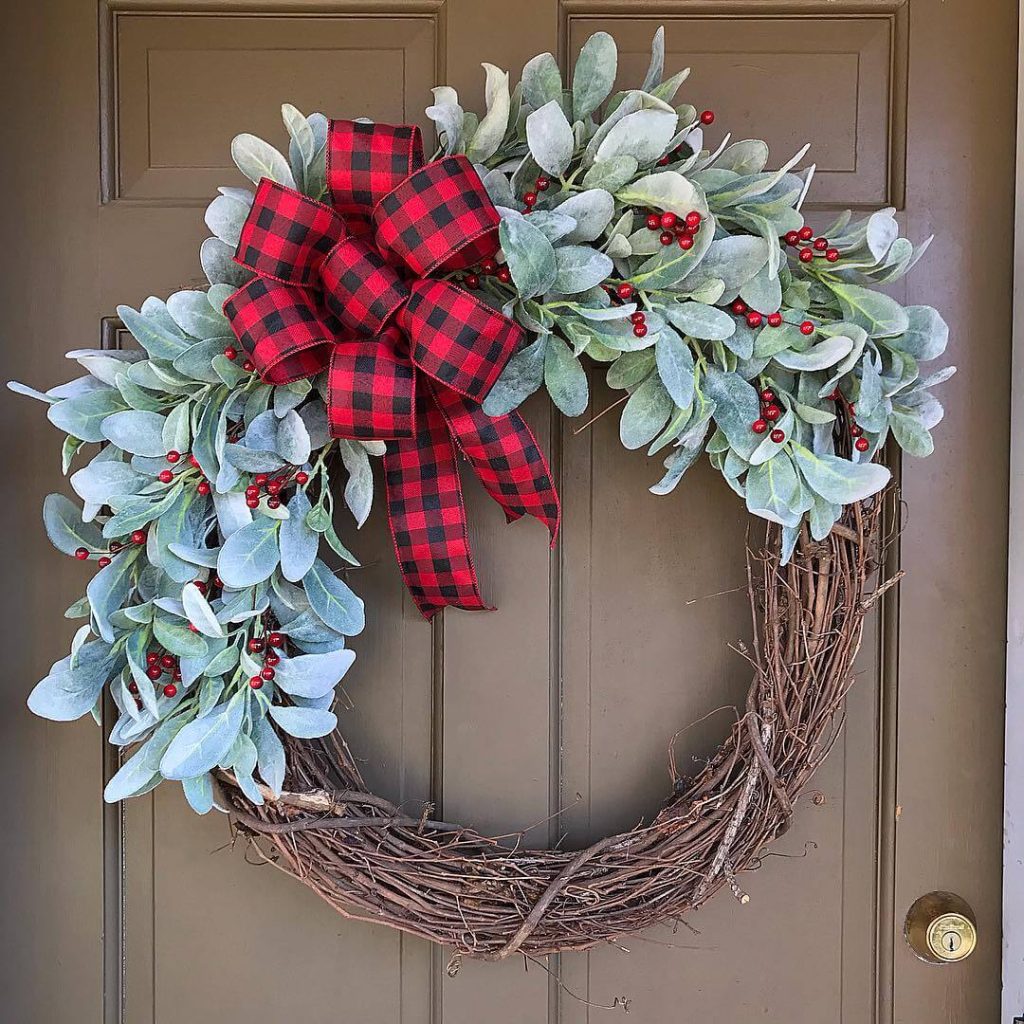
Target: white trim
1013, 798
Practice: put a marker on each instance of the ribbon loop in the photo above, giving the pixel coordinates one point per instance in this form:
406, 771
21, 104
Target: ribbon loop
365, 161
360, 289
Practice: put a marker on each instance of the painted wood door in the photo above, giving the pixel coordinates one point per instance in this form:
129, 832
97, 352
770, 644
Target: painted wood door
118, 119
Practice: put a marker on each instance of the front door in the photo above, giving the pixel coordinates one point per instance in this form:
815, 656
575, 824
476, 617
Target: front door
569, 696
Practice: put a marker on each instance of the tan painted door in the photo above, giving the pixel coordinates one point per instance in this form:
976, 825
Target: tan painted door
116, 134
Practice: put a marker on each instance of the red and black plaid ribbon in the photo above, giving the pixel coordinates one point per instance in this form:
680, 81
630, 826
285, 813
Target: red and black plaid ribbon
348, 287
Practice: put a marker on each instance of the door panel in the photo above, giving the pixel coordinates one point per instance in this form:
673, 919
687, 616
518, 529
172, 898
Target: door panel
601, 653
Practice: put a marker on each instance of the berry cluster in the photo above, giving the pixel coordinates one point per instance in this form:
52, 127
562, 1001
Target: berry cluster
489, 267
770, 412
819, 247
753, 317
264, 482
268, 646
674, 228
232, 353
861, 443
542, 184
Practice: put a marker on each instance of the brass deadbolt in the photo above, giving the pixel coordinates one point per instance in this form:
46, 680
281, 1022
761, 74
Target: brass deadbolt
941, 929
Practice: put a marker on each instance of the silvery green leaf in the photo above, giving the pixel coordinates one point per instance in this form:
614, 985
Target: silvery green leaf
670, 266
178, 638
926, 335
676, 465
82, 417
333, 601
217, 260
552, 224
301, 133
257, 159
298, 542
290, 396
697, 320
199, 612
177, 428
269, 755
204, 742
359, 487
139, 433
137, 512
293, 443
193, 313
657, 66
100, 481
232, 512
878, 314
665, 190
303, 723
313, 675
911, 434
675, 367
769, 448
593, 75
744, 158
68, 693
135, 776
644, 415
771, 340
580, 268
522, 375
251, 460
565, 378
603, 313
205, 557
882, 231
542, 81
65, 528
448, 117
197, 362
747, 187
644, 135
550, 138
611, 174
498, 188
870, 394
630, 368
591, 210
250, 554
774, 491
314, 415
736, 407
763, 291
530, 257
199, 793
734, 260
105, 366
109, 588
226, 215
838, 480
818, 357
23, 389
491, 130
158, 339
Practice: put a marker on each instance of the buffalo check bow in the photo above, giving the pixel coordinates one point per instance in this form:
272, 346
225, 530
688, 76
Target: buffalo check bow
348, 287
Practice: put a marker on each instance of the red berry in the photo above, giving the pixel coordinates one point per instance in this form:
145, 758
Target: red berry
774, 319
177, 675
255, 682
256, 645
530, 198
771, 413
832, 255
778, 436
200, 585
253, 502
152, 658
666, 238
638, 317
685, 241
862, 444
753, 318
170, 690
133, 687
272, 660
165, 476
248, 366
806, 233
739, 307
301, 478
472, 281
154, 672
624, 291
218, 582
275, 639
640, 330
807, 327
194, 462
707, 117
806, 255
542, 183
668, 219
653, 222
835, 396
173, 456
693, 219
267, 673
273, 502
115, 546
504, 275
231, 352
489, 265
81, 554
103, 562
193, 627
852, 408
203, 487
759, 426
663, 161
792, 237
821, 244
252, 491
855, 430
274, 487
767, 396
138, 536
167, 661
261, 479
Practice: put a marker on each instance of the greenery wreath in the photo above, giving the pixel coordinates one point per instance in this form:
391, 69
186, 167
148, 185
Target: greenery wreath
689, 275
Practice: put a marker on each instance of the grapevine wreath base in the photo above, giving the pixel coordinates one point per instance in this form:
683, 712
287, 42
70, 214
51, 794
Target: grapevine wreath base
489, 898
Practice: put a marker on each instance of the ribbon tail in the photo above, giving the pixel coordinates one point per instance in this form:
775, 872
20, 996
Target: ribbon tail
505, 456
428, 517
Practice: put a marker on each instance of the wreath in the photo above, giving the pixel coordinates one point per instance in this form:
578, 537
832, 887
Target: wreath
367, 304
